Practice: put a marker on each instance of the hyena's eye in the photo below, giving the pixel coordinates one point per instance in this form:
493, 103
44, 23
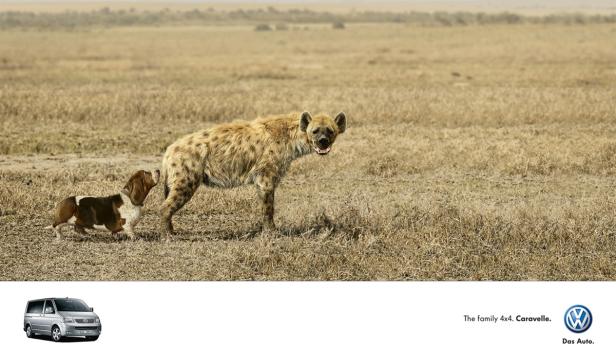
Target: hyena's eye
329, 131
315, 131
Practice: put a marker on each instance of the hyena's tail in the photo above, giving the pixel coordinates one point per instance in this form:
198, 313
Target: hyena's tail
165, 187
164, 178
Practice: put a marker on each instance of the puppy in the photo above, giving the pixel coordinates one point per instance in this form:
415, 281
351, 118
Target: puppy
115, 213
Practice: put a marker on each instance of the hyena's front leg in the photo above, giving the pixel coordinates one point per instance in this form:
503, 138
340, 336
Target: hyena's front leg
265, 188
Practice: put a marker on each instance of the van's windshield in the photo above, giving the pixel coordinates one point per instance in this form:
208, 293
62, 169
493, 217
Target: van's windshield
71, 305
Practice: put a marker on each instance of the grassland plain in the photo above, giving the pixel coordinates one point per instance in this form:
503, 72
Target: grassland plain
472, 153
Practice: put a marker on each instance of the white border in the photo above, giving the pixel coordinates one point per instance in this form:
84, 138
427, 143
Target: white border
321, 313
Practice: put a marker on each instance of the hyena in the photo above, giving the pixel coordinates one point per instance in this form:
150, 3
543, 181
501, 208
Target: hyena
229, 155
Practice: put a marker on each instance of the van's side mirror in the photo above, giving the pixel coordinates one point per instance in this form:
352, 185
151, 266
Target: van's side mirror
91, 309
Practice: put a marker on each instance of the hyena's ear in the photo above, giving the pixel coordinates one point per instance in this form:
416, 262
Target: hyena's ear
304, 120
341, 122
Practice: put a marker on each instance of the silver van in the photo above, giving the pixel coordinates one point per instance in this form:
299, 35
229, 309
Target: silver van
61, 317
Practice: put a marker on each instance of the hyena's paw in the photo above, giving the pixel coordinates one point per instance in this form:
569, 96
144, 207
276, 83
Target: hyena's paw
254, 231
269, 228
166, 237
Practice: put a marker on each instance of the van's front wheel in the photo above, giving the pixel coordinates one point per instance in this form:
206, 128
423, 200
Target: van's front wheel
29, 332
91, 338
56, 334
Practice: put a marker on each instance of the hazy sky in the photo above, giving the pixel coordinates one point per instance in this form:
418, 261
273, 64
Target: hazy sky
544, 5
610, 3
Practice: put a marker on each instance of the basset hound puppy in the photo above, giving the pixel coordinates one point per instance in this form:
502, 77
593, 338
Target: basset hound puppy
115, 213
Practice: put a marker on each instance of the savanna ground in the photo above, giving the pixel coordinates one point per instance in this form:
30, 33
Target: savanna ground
472, 152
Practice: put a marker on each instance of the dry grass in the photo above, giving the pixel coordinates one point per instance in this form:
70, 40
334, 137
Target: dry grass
107, 17
472, 152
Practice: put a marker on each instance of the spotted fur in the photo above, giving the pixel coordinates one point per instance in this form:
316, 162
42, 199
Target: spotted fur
238, 153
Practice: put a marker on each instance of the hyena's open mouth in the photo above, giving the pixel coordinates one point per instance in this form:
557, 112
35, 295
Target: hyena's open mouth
323, 151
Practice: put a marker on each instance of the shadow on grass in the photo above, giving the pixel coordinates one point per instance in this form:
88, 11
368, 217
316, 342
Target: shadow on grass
348, 224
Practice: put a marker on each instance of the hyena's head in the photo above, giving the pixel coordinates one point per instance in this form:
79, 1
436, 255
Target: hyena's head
322, 130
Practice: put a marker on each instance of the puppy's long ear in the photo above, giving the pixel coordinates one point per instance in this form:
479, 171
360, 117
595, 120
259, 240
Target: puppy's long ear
135, 188
304, 120
341, 122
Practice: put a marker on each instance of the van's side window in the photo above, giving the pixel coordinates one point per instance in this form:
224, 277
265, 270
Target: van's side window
35, 307
49, 307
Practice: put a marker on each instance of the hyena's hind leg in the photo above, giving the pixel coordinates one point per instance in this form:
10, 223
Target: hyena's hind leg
178, 193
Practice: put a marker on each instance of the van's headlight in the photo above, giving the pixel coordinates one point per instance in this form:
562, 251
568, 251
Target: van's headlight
97, 320
69, 320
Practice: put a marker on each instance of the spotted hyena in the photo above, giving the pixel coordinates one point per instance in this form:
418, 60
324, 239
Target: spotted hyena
233, 154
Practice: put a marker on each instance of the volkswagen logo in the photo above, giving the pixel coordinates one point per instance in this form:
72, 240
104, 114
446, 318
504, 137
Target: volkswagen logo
578, 318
